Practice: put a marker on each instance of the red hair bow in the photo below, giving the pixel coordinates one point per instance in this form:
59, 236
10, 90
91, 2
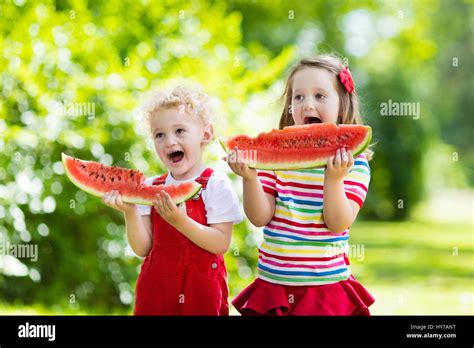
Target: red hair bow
346, 79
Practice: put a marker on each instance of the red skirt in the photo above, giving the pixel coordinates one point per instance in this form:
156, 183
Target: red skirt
347, 297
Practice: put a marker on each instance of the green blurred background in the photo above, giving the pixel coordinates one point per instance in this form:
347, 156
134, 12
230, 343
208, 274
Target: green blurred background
416, 227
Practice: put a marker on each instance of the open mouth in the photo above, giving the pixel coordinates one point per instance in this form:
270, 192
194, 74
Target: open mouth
176, 156
311, 120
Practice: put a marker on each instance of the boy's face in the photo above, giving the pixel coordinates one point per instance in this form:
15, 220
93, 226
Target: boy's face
314, 97
178, 138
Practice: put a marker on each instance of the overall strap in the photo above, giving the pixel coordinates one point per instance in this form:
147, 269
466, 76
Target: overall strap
204, 177
160, 180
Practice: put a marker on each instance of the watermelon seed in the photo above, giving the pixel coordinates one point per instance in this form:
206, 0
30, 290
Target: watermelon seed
91, 173
120, 178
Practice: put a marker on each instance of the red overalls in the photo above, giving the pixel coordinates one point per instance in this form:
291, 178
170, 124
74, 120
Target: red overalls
177, 276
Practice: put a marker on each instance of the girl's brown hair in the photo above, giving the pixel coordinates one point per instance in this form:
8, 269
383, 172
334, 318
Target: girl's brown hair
348, 102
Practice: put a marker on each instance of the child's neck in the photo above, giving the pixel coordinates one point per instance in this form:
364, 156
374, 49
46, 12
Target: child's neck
190, 173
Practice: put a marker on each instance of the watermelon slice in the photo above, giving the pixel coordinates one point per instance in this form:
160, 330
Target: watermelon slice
97, 179
299, 147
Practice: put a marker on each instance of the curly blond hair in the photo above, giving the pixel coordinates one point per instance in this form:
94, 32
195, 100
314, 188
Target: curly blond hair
186, 98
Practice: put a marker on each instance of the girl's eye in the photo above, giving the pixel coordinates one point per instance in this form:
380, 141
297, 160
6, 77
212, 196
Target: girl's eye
298, 97
320, 96
159, 135
180, 131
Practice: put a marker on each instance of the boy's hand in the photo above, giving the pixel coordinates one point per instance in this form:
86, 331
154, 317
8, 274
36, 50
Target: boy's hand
237, 164
168, 210
114, 200
338, 166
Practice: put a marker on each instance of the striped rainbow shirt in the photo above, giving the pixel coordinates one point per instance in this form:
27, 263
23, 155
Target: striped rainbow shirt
297, 247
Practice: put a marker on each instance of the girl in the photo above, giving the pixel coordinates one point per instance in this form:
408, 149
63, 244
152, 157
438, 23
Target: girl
183, 272
303, 265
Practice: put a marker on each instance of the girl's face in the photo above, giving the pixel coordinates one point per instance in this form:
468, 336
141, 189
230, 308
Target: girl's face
178, 138
314, 97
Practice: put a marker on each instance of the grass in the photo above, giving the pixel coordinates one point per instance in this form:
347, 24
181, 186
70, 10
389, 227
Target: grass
422, 268
411, 268
37, 309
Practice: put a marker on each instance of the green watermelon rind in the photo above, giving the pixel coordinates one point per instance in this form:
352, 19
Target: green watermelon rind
304, 165
223, 144
127, 199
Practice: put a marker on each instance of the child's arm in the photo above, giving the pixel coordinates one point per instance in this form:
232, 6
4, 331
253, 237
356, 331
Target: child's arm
339, 212
138, 228
139, 232
214, 238
259, 206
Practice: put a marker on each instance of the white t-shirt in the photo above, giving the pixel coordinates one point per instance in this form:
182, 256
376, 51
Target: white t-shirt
220, 200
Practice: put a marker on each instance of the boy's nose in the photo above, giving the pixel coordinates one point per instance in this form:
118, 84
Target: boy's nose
170, 140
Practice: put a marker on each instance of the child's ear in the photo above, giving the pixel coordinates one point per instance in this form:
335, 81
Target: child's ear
208, 134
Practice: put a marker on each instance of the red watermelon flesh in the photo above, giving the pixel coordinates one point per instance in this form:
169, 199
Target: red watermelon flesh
97, 179
300, 147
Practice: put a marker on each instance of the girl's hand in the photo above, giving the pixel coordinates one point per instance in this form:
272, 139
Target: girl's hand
168, 210
114, 200
236, 162
338, 166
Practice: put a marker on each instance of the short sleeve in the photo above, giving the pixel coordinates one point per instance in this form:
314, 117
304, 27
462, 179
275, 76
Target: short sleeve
220, 200
146, 209
356, 183
268, 180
